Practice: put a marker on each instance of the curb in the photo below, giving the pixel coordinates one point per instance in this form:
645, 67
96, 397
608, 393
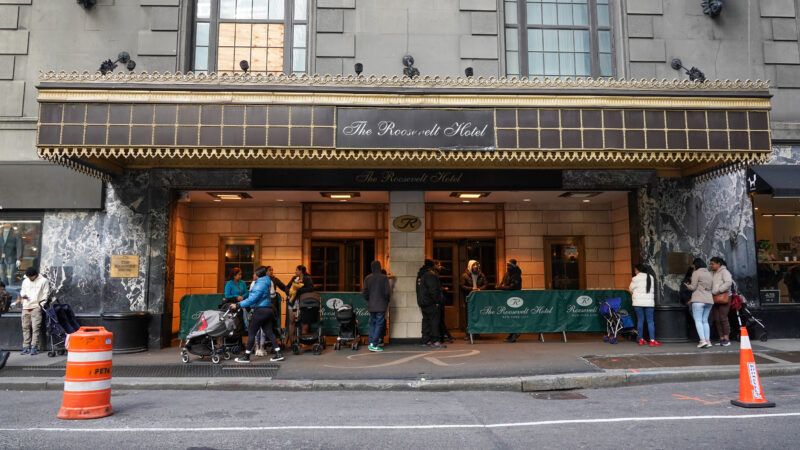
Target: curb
608, 379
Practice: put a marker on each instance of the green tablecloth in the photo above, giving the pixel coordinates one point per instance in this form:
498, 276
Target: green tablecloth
539, 311
192, 306
330, 300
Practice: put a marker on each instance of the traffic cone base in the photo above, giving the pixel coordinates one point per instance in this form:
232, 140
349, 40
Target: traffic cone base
751, 394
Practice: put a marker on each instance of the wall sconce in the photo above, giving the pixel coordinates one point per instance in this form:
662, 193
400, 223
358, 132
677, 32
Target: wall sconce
694, 73
87, 4
712, 8
123, 57
410, 71
358, 68
469, 72
244, 65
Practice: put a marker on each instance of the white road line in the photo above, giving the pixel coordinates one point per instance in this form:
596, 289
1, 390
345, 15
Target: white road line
404, 427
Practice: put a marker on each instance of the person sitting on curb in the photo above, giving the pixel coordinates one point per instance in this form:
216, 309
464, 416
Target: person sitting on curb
512, 281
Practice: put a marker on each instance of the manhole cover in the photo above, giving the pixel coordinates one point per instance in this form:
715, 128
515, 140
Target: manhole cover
558, 395
166, 371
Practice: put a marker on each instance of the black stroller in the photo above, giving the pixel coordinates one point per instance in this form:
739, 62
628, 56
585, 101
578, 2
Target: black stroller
59, 321
348, 327
233, 343
207, 336
755, 326
307, 312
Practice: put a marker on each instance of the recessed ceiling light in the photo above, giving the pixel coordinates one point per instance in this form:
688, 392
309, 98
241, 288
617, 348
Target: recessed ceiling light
579, 194
464, 201
469, 195
343, 200
756, 208
340, 195
526, 199
217, 200
230, 195
586, 200
278, 199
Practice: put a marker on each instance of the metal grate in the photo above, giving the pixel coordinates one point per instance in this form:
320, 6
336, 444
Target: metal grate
164, 371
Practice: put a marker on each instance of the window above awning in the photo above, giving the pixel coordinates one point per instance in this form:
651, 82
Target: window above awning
105, 124
780, 181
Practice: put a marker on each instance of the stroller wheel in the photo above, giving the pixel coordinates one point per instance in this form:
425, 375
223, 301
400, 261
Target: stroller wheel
764, 337
184, 357
227, 355
215, 359
61, 352
317, 349
51, 353
612, 341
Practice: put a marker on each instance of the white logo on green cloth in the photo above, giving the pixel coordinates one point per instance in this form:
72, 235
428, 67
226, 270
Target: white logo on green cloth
514, 302
584, 300
334, 303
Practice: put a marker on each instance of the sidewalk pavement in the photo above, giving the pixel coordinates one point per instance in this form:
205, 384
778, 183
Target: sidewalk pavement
490, 364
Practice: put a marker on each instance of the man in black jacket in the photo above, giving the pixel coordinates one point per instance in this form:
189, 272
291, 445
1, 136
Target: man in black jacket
431, 302
512, 281
377, 293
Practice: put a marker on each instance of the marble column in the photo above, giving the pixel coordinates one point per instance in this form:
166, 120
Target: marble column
406, 255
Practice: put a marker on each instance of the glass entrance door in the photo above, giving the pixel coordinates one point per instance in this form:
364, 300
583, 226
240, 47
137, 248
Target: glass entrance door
454, 255
341, 265
564, 264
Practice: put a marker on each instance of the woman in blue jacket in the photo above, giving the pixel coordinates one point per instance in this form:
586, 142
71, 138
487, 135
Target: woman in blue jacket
259, 299
235, 288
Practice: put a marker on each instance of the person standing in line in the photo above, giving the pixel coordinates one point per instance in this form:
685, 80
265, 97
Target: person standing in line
472, 280
512, 281
720, 291
300, 284
644, 301
263, 315
701, 301
430, 301
235, 287
35, 289
377, 293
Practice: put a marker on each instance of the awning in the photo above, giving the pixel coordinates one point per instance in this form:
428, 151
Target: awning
780, 181
106, 124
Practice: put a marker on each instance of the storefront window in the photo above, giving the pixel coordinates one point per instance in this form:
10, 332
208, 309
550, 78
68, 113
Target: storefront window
20, 247
558, 38
241, 253
340, 266
271, 35
777, 223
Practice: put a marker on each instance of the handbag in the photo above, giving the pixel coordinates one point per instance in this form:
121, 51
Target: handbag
722, 299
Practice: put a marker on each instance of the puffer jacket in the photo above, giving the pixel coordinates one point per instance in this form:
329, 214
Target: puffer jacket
639, 293
721, 281
701, 286
259, 295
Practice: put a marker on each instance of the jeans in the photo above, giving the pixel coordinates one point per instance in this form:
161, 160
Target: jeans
641, 313
700, 313
377, 320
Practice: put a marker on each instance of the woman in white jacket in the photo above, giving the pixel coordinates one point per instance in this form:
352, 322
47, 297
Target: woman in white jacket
644, 301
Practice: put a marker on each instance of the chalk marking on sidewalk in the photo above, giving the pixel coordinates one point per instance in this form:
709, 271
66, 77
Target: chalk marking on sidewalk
434, 357
403, 427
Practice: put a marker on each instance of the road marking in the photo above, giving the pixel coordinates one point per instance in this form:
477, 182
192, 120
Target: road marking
772, 358
404, 427
699, 400
434, 357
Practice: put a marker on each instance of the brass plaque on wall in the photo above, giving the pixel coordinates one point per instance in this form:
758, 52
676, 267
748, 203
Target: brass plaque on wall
407, 223
124, 266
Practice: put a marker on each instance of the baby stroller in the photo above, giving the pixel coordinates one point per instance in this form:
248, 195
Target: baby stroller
307, 311
618, 321
208, 334
755, 326
233, 343
348, 327
59, 321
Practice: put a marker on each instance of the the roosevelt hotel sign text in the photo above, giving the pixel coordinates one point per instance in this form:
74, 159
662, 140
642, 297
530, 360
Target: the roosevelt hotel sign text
365, 128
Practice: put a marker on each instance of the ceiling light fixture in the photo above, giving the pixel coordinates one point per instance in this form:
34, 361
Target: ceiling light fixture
469, 195
340, 195
278, 199
229, 195
579, 194
586, 200
526, 199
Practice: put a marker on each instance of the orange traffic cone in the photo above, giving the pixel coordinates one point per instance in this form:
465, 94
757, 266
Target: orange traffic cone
751, 394
87, 384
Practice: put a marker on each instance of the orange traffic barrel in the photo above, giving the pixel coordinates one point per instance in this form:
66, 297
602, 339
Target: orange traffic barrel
87, 384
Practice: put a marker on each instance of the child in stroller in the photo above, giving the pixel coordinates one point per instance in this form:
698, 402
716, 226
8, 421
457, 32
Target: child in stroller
205, 338
348, 327
618, 321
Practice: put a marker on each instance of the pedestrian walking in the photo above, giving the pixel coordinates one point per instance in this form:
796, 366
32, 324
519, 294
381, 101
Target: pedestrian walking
263, 315
644, 301
512, 281
35, 289
722, 281
377, 293
701, 301
431, 302
472, 280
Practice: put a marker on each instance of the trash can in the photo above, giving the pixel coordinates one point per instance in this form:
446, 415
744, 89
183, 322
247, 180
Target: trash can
130, 330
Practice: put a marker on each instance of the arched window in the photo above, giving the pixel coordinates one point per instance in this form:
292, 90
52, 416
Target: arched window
271, 35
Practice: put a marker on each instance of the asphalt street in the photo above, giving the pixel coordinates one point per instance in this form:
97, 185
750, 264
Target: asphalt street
687, 415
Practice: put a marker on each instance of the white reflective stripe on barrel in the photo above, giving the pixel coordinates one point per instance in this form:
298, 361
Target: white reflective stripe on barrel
88, 356
86, 386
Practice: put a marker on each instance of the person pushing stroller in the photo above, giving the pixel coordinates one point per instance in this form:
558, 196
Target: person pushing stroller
259, 298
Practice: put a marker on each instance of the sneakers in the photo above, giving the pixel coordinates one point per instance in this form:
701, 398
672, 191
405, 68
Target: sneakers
278, 356
437, 345
244, 358
725, 343
641, 342
374, 348
702, 344
25, 351
34, 351
654, 343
